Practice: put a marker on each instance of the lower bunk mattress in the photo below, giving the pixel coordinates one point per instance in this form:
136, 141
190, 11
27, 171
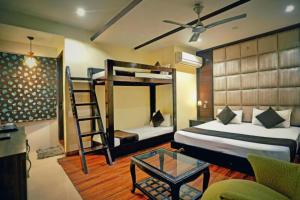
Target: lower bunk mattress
143, 133
242, 139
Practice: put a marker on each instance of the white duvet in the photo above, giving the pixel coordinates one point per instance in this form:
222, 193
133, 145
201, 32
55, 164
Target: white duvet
237, 147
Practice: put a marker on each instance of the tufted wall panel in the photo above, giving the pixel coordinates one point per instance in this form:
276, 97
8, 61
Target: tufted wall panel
266, 73
234, 82
250, 81
249, 64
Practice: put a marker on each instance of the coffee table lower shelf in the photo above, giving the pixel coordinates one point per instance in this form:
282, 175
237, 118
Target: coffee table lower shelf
156, 189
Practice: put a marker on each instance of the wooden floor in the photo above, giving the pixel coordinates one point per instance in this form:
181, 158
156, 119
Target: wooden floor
114, 182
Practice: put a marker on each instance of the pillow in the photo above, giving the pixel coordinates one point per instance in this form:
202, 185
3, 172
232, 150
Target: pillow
256, 112
237, 119
226, 115
157, 119
269, 118
167, 120
286, 115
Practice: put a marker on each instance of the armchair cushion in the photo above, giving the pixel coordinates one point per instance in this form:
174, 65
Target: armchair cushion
281, 176
235, 189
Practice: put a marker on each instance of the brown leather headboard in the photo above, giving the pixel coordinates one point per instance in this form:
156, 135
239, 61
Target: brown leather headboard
259, 73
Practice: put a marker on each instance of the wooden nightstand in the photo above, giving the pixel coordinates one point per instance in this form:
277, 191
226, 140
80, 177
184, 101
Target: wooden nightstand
195, 122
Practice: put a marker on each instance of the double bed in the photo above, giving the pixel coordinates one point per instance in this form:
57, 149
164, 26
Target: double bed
228, 145
237, 147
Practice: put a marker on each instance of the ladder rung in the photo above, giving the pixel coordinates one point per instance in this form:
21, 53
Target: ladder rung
91, 133
80, 79
93, 149
85, 104
82, 90
88, 118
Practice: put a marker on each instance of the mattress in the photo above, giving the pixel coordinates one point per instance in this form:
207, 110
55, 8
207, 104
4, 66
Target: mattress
238, 147
100, 75
144, 132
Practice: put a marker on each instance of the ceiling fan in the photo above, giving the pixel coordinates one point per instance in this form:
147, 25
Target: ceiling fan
199, 28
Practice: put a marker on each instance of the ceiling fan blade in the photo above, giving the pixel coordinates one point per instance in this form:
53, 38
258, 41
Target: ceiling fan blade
194, 37
177, 23
223, 21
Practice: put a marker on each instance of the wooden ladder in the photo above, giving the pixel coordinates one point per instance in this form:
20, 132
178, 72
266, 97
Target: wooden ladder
96, 115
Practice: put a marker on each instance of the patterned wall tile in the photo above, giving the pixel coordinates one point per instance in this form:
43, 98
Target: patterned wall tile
27, 94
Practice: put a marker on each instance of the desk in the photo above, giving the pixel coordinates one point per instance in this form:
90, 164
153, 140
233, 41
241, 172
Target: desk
13, 179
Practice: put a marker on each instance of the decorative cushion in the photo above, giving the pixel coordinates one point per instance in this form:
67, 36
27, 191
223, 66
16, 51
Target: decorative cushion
269, 118
286, 115
167, 120
237, 119
256, 112
226, 115
157, 119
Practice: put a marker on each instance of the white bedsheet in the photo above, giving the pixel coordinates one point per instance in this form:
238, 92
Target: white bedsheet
137, 74
237, 147
144, 132
151, 75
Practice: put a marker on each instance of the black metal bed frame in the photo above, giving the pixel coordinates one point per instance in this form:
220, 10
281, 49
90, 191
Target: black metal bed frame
110, 80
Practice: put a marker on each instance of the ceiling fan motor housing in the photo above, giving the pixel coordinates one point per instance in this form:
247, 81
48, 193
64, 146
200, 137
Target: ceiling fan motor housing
198, 7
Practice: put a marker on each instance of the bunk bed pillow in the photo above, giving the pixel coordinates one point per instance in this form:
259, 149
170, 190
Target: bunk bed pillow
167, 120
157, 119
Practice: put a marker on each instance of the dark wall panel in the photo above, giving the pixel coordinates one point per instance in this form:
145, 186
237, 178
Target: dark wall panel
27, 94
205, 85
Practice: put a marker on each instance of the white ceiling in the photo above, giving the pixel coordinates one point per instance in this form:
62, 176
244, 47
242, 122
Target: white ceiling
144, 22
64, 11
17, 34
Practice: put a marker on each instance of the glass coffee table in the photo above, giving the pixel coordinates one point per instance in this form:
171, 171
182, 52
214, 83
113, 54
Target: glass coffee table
169, 174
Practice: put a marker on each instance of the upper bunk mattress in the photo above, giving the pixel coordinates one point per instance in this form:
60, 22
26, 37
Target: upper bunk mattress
100, 75
240, 148
144, 132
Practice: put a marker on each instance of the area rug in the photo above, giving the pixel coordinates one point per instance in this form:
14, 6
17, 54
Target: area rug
49, 152
105, 182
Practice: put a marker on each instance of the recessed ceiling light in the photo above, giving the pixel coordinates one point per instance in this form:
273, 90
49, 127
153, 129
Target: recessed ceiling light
289, 8
80, 12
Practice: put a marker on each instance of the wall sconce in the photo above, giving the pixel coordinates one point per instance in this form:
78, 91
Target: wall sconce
201, 104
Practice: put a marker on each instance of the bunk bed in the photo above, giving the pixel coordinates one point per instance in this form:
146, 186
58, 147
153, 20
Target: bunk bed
120, 73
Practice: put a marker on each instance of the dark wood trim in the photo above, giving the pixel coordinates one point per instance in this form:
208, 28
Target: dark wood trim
218, 158
109, 102
212, 14
287, 28
60, 96
152, 100
116, 18
174, 98
205, 85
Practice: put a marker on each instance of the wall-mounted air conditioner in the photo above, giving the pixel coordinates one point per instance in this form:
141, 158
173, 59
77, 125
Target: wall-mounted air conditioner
188, 59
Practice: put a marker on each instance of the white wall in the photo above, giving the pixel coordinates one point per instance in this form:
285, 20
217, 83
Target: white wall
80, 53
